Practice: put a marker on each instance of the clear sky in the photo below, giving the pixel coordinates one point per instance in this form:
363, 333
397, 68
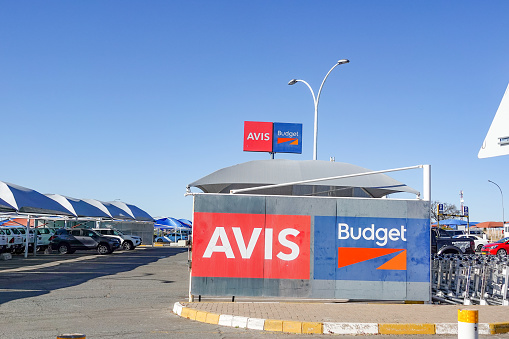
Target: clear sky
133, 100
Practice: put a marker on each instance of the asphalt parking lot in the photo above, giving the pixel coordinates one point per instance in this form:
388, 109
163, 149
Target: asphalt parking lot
129, 294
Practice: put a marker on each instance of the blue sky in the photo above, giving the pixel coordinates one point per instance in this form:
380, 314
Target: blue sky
133, 100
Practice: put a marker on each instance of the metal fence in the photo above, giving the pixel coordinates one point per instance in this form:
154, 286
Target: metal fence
470, 279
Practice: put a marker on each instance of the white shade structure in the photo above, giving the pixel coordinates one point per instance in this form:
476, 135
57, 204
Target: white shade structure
278, 171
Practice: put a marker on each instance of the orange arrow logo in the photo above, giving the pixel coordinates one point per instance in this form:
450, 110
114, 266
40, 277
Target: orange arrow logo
353, 255
292, 141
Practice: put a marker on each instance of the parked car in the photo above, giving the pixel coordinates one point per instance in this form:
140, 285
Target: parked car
128, 242
479, 241
476, 231
14, 239
4, 241
172, 237
69, 240
500, 248
22, 232
443, 243
45, 234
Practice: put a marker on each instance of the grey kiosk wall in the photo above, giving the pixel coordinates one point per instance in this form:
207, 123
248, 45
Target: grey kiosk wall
311, 247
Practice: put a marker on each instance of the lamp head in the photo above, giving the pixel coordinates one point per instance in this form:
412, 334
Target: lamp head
292, 82
343, 61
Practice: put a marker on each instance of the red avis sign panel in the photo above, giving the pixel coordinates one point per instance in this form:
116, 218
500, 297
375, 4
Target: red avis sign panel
251, 246
258, 136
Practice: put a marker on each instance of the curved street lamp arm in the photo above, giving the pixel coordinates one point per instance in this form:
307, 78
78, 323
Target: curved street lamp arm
323, 82
310, 89
316, 99
502, 194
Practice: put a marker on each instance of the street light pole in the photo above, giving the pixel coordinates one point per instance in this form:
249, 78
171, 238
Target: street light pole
316, 100
503, 218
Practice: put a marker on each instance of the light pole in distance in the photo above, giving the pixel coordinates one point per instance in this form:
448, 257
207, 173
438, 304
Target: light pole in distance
503, 219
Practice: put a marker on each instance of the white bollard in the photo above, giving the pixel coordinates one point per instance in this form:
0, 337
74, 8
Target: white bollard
467, 324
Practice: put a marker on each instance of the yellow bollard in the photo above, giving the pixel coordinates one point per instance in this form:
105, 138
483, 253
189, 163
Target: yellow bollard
72, 336
467, 324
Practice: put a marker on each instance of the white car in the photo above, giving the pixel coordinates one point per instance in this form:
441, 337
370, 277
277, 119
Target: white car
4, 241
22, 231
478, 240
14, 239
45, 235
128, 242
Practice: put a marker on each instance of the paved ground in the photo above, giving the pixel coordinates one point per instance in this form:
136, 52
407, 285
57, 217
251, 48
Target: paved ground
130, 294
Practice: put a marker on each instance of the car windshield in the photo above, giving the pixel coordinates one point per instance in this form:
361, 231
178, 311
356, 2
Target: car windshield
2, 232
15, 231
502, 240
43, 231
117, 232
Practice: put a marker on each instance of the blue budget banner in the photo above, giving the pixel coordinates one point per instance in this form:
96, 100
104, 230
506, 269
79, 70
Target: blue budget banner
371, 249
287, 138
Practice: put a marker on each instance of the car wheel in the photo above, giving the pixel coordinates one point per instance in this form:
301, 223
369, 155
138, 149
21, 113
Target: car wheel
127, 245
479, 247
159, 240
103, 249
502, 252
64, 248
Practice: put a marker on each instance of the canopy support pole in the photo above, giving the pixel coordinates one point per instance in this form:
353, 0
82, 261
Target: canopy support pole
27, 237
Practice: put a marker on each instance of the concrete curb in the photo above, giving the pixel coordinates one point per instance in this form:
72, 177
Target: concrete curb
329, 327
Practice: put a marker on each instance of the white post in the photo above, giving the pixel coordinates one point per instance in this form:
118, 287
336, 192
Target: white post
190, 260
426, 172
467, 324
35, 237
27, 237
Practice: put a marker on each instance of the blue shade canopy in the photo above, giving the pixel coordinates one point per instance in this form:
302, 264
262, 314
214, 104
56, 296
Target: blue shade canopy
187, 222
139, 214
25, 200
6, 207
453, 223
118, 212
172, 222
82, 207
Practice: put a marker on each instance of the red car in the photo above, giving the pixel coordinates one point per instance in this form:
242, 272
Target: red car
500, 247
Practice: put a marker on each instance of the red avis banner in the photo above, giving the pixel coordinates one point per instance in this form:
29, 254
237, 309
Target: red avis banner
258, 136
251, 246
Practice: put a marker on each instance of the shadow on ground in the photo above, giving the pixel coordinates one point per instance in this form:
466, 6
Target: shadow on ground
24, 278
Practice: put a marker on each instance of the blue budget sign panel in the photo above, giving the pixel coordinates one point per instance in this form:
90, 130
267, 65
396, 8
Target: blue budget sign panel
287, 138
371, 249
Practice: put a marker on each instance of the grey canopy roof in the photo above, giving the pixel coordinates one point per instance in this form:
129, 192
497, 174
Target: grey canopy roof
278, 171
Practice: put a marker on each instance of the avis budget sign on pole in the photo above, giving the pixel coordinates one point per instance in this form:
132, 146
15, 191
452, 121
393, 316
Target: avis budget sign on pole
311, 247
272, 137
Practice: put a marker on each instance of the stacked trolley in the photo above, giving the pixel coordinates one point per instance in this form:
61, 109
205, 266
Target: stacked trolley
470, 279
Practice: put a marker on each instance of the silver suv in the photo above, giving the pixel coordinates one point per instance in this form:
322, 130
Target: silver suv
128, 242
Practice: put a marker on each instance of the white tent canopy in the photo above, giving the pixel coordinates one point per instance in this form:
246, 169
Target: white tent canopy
278, 171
